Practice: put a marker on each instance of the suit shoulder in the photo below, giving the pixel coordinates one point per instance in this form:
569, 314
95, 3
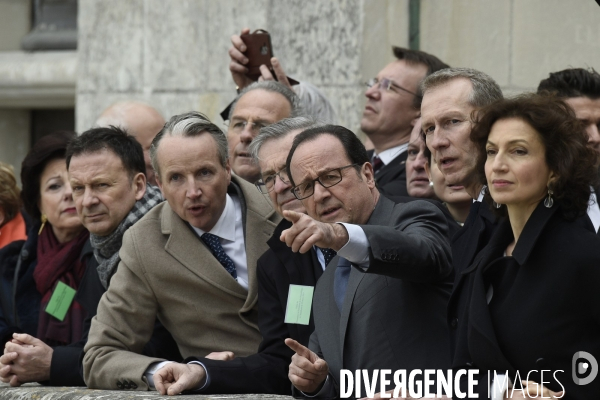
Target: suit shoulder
256, 201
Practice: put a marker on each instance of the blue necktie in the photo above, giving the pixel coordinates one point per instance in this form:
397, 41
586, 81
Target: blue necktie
213, 243
328, 254
340, 281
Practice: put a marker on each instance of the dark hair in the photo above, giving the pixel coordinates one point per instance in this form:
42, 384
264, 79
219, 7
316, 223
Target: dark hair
432, 63
112, 139
572, 82
354, 148
565, 143
47, 148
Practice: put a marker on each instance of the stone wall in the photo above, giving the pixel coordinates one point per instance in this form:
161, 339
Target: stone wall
517, 42
174, 54
34, 392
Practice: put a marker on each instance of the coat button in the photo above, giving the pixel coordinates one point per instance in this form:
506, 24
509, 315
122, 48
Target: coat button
454, 323
119, 385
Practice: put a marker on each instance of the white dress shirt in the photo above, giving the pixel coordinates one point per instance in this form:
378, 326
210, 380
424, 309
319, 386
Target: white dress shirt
230, 230
388, 155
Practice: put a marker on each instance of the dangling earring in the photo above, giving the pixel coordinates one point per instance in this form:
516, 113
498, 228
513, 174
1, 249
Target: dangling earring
549, 201
44, 220
496, 205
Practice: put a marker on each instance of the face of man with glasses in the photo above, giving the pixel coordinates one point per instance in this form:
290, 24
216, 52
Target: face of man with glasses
332, 188
389, 110
254, 110
274, 180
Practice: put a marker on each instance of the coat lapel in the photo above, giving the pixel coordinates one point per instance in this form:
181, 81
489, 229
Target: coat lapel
184, 246
259, 222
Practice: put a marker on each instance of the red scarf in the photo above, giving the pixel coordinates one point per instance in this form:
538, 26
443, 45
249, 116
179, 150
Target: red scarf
59, 262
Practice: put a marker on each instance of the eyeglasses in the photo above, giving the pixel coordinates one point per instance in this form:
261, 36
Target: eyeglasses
327, 179
238, 126
387, 84
267, 184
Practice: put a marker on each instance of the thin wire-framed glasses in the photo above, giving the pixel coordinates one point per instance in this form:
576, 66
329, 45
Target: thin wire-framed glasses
238, 126
387, 84
327, 179
265, 185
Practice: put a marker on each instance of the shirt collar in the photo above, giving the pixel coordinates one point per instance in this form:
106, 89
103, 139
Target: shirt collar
388, 155
225, 226
481, 194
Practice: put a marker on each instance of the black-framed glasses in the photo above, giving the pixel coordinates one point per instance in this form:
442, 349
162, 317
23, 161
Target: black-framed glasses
265, 185
387, 84
327, 179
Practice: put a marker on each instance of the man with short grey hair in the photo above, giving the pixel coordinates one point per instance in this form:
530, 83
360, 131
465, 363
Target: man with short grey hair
190, 262
450, 98
277, 269
258, 105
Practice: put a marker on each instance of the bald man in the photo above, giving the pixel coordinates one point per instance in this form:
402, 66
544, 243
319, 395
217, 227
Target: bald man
138, 119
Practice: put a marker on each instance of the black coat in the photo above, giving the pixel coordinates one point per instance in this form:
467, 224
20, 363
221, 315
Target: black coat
391, 178
544, 304
267, 370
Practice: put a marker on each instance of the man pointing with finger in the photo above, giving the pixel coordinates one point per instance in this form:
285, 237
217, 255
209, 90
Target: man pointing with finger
364, 320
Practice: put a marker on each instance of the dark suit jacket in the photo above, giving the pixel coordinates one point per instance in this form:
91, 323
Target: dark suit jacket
395, 321
466, 244
391, 178
544, 307
267, 370
453, 226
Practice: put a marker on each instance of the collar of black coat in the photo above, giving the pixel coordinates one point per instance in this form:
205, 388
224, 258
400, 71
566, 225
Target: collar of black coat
503, 236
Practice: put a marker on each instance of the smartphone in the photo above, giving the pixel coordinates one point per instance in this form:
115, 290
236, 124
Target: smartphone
259, 52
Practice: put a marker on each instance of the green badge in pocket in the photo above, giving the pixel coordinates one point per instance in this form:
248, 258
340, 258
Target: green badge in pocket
299, 304
60, 301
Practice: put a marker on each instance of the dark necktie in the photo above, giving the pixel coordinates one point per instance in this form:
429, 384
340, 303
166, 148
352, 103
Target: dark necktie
377, 164
213, 243
340, 281
328, 254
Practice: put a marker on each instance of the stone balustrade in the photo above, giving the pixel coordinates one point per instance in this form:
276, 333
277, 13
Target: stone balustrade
34, 391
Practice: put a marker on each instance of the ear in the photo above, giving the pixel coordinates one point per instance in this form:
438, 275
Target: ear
369, 175
139, 185
428, 171
228, 171
552, 178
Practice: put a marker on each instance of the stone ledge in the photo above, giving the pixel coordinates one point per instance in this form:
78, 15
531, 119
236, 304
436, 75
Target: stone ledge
32, 391
38, 80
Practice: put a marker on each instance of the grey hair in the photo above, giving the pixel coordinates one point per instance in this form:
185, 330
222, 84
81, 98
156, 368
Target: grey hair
190, 124
315, 103
485, 89
274, 87
279, 130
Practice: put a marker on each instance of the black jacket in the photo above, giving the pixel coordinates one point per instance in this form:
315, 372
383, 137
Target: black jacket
543, 306
391, 178
267, 370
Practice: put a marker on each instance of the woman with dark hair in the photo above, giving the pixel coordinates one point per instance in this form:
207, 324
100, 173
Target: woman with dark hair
52, 254
532, 301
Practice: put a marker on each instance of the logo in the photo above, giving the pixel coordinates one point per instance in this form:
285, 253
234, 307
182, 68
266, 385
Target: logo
584, 367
